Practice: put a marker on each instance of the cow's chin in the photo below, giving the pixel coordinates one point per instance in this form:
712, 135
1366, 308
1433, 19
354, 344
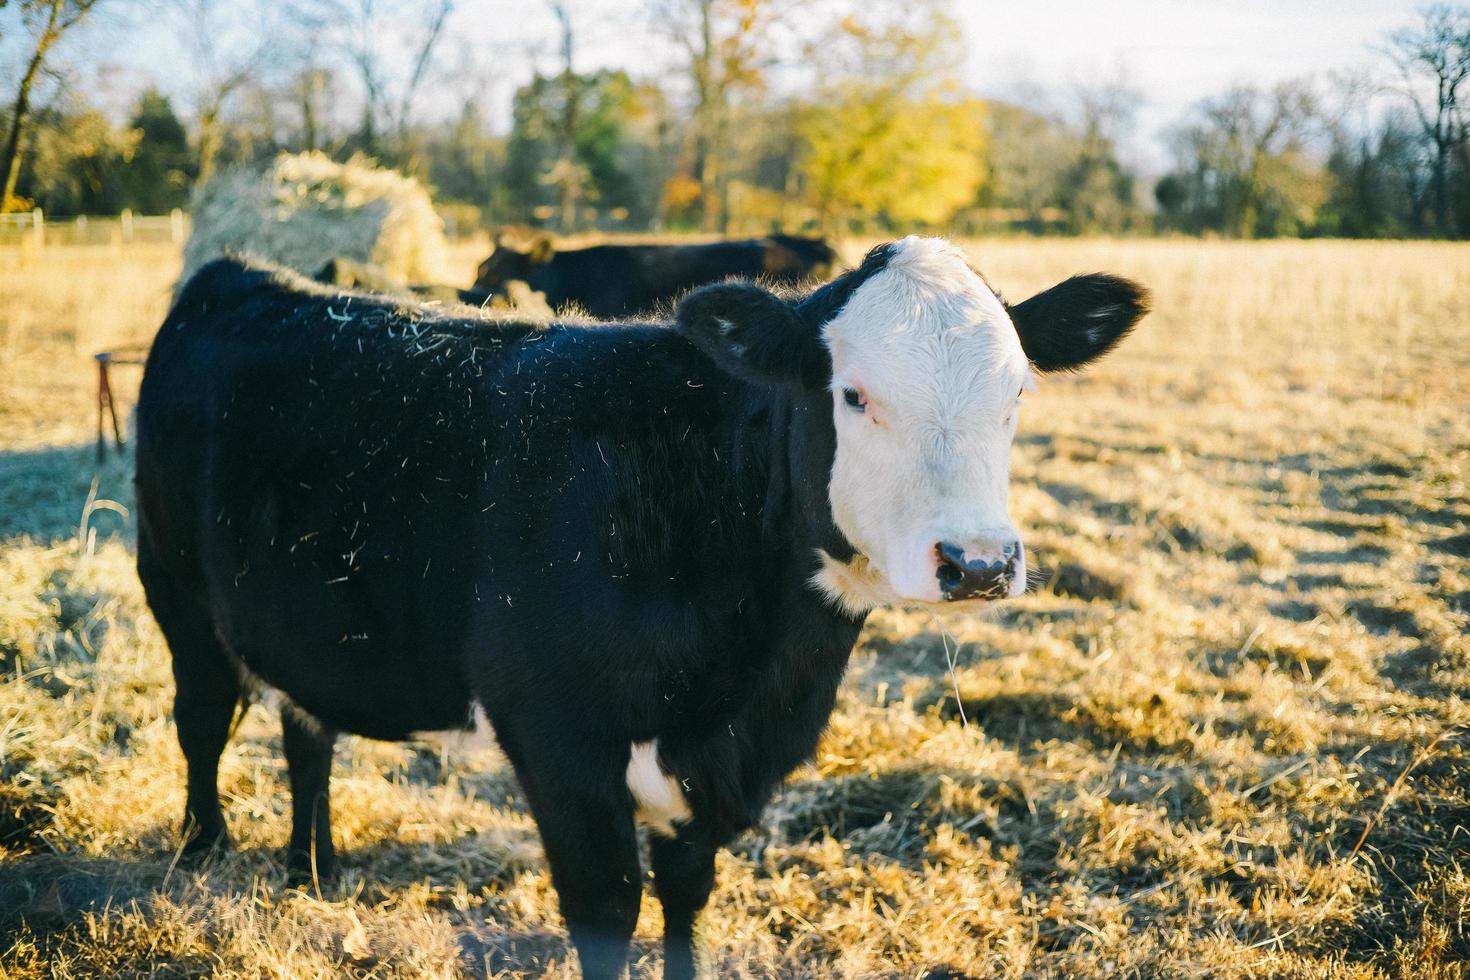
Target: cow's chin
858, 586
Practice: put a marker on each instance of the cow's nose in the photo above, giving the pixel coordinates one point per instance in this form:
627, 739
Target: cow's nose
984, 576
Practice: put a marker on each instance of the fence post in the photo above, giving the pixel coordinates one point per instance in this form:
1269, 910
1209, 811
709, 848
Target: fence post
176, 225
38, 227
127, 224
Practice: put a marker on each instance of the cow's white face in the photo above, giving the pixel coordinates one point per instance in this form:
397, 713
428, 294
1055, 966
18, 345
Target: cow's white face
927, 378
922, 368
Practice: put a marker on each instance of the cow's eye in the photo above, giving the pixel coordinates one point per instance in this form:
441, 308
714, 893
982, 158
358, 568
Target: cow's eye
854, 399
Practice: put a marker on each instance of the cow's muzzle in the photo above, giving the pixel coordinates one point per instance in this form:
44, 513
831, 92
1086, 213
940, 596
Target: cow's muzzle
987, 575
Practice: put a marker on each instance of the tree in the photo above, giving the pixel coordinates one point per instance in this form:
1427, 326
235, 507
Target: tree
228, 55
368, 35
892, 162
464, 157
1244, 165
726, 47
1433, 61
1029, 156
538, 153
1378, 182
79, 161
567, 172
1378, 167
46, 21
309, 87
1096, 191
891, 140
156, 176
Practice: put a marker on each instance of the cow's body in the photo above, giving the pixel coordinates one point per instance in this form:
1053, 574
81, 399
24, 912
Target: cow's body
615, 543
610, 281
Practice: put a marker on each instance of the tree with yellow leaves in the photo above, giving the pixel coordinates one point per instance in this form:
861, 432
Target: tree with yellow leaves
892, 140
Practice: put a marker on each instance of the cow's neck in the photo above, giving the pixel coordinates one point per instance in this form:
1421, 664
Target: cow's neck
802, 444
811, 638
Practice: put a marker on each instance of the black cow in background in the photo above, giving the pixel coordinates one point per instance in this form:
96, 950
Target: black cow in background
610, 281
642, 553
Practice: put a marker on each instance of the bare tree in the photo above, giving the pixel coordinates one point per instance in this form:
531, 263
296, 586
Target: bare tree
723, 42
567, 172
223, 66
1244, 163
46, 21
308, 89
1097, 189
1106, 111
433, 29
1433, 61
366, 35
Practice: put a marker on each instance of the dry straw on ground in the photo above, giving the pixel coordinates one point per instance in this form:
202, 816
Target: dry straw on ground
1221, 741
304, 209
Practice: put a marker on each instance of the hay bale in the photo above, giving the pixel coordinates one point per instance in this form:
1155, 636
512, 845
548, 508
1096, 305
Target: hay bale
302, 210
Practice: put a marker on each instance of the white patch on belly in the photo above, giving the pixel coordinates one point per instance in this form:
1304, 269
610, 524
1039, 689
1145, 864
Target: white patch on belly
660, 800
478, 736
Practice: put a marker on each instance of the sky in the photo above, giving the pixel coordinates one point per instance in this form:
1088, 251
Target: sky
1173, 52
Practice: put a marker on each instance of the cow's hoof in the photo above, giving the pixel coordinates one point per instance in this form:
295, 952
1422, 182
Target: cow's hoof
302, 873
200, 844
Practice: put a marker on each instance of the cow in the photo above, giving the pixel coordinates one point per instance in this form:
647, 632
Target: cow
640, 553
610, 281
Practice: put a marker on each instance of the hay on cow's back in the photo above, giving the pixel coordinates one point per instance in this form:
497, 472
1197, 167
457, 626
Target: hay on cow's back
303, 209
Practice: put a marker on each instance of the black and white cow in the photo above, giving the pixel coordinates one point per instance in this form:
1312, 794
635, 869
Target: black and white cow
643, 553
609, 281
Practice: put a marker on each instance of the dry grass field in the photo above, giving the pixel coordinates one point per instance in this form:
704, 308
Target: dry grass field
1229, 738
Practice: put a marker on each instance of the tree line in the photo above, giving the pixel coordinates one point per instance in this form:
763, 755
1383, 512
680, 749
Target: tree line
817, 114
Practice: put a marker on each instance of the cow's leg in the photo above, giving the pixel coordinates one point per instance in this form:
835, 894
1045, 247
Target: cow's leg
308, 750
206, 693
683, 876
585, 816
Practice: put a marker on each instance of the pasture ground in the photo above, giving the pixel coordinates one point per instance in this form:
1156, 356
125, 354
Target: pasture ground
1225, 740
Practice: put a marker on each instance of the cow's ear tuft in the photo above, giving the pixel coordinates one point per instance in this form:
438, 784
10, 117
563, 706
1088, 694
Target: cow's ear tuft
753, 335
1078, 321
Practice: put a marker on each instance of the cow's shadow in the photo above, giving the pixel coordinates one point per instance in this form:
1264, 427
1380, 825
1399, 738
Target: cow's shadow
43, 895
59, 492
46, 893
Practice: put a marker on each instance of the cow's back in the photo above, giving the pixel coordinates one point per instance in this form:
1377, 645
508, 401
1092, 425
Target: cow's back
610, 281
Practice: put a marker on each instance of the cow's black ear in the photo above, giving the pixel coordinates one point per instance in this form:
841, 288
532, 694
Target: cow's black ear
1078, 321
753, 335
